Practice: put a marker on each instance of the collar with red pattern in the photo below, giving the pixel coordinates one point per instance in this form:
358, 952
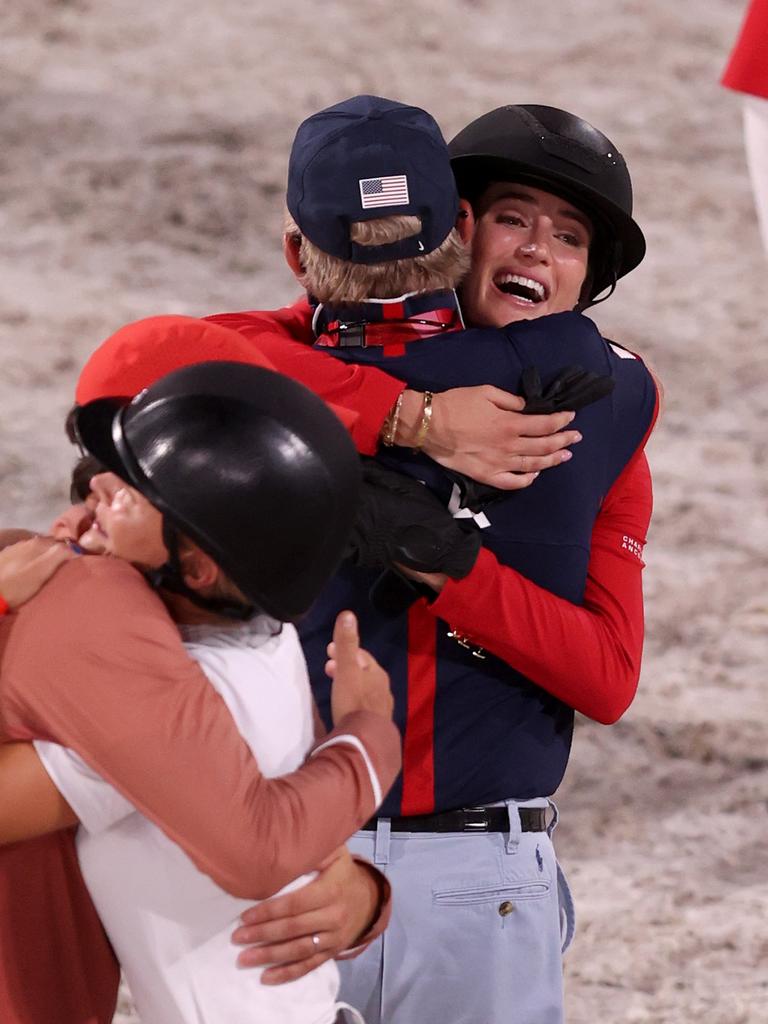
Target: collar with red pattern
388, 322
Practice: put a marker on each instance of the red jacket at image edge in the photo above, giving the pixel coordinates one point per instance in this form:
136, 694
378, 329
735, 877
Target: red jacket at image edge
747, 68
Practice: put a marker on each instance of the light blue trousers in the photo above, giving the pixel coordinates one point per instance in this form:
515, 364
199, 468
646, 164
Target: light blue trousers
478, 928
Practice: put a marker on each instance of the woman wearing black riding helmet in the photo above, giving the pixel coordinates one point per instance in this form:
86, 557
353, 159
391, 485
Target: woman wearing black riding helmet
551, 202
566, 228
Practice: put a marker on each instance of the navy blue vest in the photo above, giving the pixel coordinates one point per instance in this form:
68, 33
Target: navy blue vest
495, 734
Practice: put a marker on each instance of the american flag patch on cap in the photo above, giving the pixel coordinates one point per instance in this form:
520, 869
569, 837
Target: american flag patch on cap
390, 191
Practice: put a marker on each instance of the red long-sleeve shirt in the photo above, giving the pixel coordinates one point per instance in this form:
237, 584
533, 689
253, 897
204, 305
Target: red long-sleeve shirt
364, 390
588, 656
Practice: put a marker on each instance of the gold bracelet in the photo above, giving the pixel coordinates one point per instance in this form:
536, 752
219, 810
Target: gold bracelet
426, 420
389, 430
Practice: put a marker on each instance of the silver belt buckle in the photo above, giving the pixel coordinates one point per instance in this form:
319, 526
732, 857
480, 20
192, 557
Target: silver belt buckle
478, 823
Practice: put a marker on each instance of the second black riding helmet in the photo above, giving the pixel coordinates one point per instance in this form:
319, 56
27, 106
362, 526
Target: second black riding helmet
556, 151
250, 465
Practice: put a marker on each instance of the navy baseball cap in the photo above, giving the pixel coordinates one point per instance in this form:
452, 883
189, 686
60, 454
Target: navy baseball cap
369, 157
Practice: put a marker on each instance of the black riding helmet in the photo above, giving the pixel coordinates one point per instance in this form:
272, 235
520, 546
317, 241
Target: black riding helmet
556, 151
250, 465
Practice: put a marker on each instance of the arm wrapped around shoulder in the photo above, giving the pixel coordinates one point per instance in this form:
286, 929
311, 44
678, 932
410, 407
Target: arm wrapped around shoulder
401, 521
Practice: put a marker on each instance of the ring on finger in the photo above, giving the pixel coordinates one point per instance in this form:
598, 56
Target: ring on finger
316, 941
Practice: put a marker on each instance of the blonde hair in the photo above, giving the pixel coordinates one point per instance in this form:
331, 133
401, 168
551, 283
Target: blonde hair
330, 279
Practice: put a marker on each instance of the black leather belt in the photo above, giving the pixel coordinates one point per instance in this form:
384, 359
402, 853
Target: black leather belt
467, 819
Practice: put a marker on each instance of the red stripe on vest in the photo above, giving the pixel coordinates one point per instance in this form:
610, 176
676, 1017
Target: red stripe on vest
418, 745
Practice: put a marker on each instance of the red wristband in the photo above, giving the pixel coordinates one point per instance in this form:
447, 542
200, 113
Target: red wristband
4, 606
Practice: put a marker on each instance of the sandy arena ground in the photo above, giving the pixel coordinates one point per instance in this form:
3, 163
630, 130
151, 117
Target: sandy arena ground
141, 167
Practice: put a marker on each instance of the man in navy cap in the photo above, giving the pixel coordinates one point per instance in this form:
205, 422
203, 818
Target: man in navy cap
376, 237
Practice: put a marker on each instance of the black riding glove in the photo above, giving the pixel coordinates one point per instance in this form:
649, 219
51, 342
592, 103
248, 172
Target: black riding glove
401, 521
573, 388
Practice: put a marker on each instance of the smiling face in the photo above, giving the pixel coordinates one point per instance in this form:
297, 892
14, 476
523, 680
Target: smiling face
530, 254
125, 524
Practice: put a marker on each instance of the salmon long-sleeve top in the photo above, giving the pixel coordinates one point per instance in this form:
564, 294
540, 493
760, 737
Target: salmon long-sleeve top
95, 663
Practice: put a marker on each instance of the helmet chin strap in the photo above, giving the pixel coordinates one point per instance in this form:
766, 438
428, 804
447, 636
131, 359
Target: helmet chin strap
613, 258
581, 306
171, 577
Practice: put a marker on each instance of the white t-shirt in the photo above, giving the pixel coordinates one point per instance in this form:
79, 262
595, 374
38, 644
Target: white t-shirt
170, 925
